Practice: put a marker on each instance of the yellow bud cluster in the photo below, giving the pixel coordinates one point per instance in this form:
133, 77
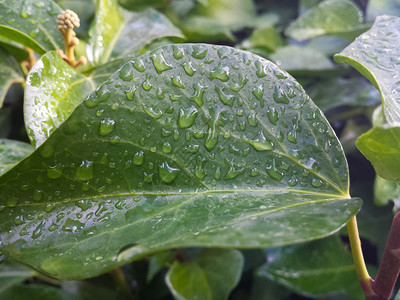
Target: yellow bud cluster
67, 19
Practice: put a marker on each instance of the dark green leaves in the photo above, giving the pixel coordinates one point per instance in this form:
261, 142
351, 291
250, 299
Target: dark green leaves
11, 152
212, 275
189, 145
31, 23
10, 72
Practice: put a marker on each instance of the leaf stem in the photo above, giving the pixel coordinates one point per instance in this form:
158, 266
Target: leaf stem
69, 46
120, 280
359, 263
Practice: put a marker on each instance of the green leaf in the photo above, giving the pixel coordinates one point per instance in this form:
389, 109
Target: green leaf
38, 292
13, 48
190, 145
11, 152
377, 8
385, 191
340, 18
159, 261
11, 275
5, 122
32, 24
53, 90
140, 4
381, 146
265, 38
117, 33
374, 54
331, 93
212, 275
10, 72
314, 269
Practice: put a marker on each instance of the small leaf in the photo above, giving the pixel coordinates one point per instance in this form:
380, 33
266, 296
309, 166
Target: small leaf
385, 191
190, 145
375, 54
117, 33
381, 146
340, 18
10, 72
314, 269
32, 24
11, 152
159, 261
266, 38
203, 279
53, 90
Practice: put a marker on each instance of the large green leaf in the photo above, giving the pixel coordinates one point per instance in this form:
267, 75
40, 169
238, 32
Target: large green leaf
11, 152
117, 33
381, 146
212, 275
53, 90
189, 145
10, 72
31, 23
340, 18
375, 55
314, 269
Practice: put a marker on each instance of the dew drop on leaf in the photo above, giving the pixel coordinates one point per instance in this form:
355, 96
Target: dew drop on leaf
167, 173
221, 73
85, 170
106, 126
138, 158
187, 117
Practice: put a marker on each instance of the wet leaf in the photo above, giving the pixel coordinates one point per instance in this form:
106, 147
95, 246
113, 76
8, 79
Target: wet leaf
314, 269
32, 24
10, 72
381, 146
190, 145
386, 191
53, 90
375, 55
340, 18
117, 33
11, 152
377, 8
202, 278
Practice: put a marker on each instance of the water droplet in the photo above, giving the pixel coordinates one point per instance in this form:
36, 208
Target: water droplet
177, 81
212, 138
279, 96
166, 147
126, 72
187, 117
189, 69
261, 69
221, 73
291, 136
138, 64
199, 170
159, 62
273, 171
198, 94
138, 158
146, 85
37, 195
272, 115
38, 230
46, 150
156, 114
261, 143
177, 52
130, 93
258, 92
234, 170
85, 170
226, 98
199, 51
72, 225
167, 173
292, 181
55, 171
106, 126
252, 119
316, 182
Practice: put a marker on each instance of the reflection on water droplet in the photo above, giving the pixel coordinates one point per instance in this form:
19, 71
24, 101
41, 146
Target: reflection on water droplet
199, 51
279, 96
224, 96
272, 115
37, 195
261, 69
54, 172
273, 171
25, 15
198, 94
106, 126
316, 182
258, 92
138, 158
177, 52
85, 170
189, 69
261, 143
126, 72
234, 170
138, 64
221, 73
177, 81
167, 173
187, 117
166, 147
159, 62
72, 225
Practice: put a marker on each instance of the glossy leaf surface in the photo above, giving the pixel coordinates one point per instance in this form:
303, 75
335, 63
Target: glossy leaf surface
11, 152
117, 33
314, 269
202, 278
385, 191
332, 17
381, 146
53, 90
31, 23
10, 72
187, 146
375, 55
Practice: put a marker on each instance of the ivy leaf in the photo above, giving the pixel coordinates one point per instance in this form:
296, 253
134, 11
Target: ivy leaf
374, 54
314, 269
117, 33
11, 152
10, 72
203, 279
340, 18
381, 146
32, 24
385, 191
186, 146
53, 90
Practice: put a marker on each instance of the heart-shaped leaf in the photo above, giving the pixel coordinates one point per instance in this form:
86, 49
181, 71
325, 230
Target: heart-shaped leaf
117, 33
375, 55
31, 23
188, 145
340, 18
202, 278
11, 152
10, 72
